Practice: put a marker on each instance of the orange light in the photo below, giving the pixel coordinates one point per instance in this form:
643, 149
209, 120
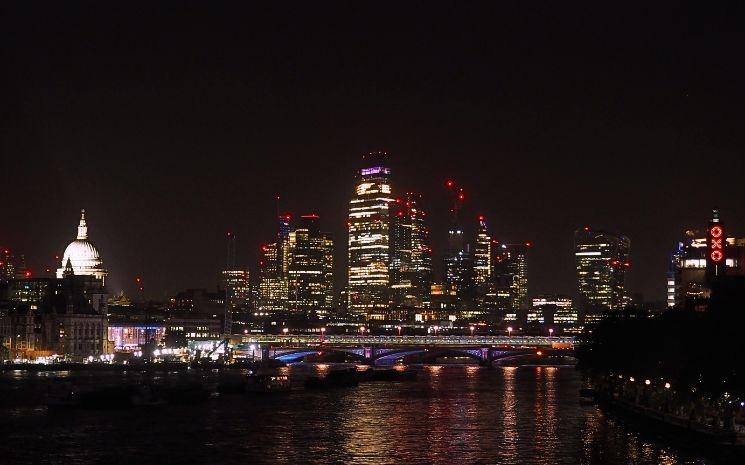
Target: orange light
539, 353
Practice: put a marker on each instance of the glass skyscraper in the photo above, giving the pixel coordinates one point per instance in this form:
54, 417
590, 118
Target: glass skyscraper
369, 239
411, 254
602, 260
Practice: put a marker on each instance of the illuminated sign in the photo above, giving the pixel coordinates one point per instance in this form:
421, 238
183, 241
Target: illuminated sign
375, 170
716, 243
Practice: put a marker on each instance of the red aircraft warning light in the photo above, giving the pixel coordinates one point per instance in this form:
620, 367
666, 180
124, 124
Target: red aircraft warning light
449, 183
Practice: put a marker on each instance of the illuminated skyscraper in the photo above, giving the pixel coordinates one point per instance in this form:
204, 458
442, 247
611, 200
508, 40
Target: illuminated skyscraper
237, 287
308, 270
482, 256
411, 254
602, 260
273, 283
369, 241
511, 278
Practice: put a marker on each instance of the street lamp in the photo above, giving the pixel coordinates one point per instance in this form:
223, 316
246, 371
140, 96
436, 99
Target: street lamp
550, 332
435, 328
323, 330
399, 330
362, 330
509, 331
285, 331
472, 328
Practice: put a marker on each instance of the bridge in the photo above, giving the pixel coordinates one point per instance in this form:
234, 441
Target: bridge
387, 350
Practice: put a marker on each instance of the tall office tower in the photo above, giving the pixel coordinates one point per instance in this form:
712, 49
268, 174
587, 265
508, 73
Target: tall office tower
511, 278
283, 235
328, 270
272, 281
482, 255
459, 272
273, 284
602, 260
369, 241
459, 268
237, 286
7, 265
307, 268
411, 254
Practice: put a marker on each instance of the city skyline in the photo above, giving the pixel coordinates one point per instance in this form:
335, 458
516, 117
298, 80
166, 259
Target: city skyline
167, 170
288, 221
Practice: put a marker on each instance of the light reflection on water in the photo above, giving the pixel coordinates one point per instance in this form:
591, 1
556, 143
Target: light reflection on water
450, 415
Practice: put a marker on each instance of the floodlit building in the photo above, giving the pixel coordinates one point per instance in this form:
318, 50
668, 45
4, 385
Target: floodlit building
511, 279
310, 268
602, 260
482, 256
82, 256
369, 240
273, 283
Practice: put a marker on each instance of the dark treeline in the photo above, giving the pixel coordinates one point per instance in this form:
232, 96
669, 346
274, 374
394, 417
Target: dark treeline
696, 351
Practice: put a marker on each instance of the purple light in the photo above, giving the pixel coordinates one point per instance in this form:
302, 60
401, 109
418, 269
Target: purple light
375, 170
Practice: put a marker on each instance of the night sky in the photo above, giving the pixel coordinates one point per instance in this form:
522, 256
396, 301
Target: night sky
173, 124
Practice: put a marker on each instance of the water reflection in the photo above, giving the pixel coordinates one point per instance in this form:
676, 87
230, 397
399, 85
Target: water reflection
450, 415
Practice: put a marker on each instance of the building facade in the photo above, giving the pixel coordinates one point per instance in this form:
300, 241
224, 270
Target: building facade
511, 280
310, 268
82, 256
602, 260
411, 254
692, 266
369, 254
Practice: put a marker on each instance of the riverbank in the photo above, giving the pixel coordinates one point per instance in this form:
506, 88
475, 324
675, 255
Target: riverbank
144, 367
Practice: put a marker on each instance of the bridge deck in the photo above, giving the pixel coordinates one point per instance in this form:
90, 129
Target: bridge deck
411, 341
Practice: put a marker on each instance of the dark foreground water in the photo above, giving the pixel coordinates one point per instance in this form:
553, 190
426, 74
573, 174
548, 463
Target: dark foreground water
451, 415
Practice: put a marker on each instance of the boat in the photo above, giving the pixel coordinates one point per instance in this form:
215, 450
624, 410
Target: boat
335, 379
267, 384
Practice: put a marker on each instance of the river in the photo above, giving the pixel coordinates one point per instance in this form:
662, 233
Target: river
450, 415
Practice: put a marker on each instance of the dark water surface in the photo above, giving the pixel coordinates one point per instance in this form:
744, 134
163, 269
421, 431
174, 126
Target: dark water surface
450, 415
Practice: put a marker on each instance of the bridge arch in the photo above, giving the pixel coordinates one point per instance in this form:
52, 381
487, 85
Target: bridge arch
297, 355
